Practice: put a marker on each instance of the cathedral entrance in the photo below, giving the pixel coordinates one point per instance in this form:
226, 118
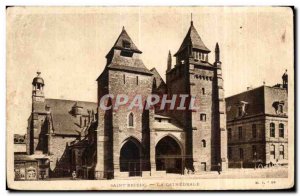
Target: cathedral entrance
130, 158
168, 156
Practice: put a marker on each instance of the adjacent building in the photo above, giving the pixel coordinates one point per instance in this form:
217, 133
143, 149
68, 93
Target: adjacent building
257, 125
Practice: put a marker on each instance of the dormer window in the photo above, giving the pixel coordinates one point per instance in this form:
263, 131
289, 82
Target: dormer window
241, 106
126, 44
240, 111
278, 106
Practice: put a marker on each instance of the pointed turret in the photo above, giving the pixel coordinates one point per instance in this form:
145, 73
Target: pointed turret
192, 47
192, 40
169, 61
217, 53
285, 80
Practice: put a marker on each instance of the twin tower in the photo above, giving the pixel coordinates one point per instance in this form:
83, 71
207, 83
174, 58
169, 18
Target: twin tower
128, 141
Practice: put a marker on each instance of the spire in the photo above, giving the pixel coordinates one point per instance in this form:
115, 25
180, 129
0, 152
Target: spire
192, 39
217, 53
124, 42
169, 61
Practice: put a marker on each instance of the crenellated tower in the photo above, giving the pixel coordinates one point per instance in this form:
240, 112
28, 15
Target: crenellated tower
194, 75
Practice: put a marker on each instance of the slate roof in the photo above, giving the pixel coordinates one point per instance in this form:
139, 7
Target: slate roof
166, 124
119, 62
193, 39
129, 64
63, 121
25, 157
259, 101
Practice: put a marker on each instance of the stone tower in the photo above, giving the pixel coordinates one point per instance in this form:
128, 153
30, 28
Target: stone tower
39, 127
195, 76
121, 129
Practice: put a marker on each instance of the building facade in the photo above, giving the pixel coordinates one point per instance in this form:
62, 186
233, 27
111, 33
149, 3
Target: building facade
121, 142
257, 122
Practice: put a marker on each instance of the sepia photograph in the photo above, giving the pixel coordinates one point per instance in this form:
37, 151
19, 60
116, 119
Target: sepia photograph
150, 98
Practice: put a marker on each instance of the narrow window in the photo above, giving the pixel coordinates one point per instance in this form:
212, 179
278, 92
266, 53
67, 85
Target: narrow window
281, 151
203, 143
202, 117
272, 130
240, 133
130, 120
124, 79
203, 91
229, 134
281, 130
229, 153
254, 155
254, 131
241, 153
272, 151
137, 80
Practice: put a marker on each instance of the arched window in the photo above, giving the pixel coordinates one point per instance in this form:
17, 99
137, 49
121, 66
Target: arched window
272, 151
154, 83
203, 143
130, 120
281, 152
281, 130
203, 91
272, 130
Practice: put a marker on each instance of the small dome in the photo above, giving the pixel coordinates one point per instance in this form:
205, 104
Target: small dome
38, 79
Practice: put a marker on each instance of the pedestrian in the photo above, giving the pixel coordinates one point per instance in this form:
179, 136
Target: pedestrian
74, 175
219, 168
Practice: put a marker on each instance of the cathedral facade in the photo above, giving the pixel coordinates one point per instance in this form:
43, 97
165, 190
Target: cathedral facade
121, 142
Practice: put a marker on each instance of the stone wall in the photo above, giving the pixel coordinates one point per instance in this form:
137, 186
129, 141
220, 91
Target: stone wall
201, 87
276, 141
60, 156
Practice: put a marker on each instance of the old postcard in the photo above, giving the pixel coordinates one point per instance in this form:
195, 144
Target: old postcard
150, 98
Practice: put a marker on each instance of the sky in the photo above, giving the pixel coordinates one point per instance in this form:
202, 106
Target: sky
68, 45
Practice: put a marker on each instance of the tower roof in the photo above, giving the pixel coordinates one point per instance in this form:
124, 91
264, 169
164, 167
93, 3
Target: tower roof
121, 61
193, 39
124, 42
38, 79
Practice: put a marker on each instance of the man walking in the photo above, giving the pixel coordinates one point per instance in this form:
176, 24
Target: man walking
219, 168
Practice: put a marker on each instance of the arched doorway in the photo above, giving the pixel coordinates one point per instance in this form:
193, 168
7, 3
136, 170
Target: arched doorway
168, 154
130, 158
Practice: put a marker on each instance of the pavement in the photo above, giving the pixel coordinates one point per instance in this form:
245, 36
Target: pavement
274, 172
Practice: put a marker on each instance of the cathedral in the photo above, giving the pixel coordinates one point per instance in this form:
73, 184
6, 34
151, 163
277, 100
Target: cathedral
66, 136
